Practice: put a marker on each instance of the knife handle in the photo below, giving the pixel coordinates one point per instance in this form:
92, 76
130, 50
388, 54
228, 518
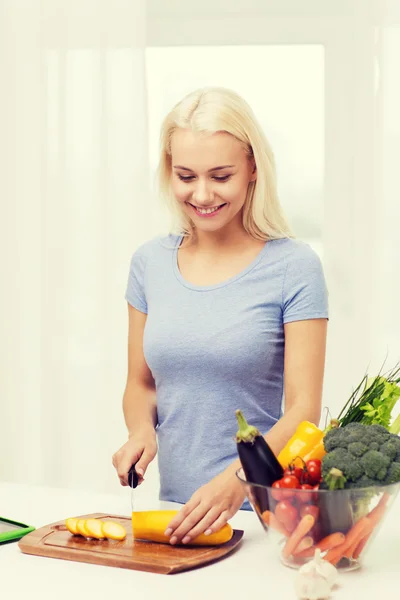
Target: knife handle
133, 477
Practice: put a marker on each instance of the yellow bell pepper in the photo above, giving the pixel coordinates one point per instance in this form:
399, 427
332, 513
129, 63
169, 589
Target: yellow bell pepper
317, 452
303, 441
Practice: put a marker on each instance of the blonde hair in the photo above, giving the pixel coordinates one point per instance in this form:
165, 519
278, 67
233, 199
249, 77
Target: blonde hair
214, 110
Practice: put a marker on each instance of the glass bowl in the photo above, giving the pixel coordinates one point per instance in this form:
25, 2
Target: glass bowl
344, 523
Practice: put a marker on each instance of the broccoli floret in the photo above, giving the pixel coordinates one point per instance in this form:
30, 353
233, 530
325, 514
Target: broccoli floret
352, 470
389, 449
344, 461
332, 460
363, 482
393, 473
357, 448
335, 438
378, 431
376, 434
375, 464
354, 426
392, 445
364, 454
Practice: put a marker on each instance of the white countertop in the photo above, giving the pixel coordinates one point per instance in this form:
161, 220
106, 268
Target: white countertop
254, 571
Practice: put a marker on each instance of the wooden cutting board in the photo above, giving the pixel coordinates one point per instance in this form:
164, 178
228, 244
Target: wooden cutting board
55, 541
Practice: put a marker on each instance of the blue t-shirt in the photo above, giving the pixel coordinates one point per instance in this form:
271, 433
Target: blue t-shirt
213, 349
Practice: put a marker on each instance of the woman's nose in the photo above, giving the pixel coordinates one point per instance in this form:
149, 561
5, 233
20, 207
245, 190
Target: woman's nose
202, 193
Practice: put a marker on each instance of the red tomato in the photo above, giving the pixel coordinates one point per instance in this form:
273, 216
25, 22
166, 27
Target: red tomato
314, 470
286, 513
309, 509
276, 494
296, 471
289, 482
307, 497
305, 478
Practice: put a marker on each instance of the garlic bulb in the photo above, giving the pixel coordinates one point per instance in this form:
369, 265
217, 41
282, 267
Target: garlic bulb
323, 567
311, 585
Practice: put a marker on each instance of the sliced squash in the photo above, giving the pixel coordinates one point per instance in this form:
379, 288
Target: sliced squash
94, 527
113, 531
81, 528
71, 526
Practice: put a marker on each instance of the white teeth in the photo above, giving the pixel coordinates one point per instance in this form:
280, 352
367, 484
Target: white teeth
206, 211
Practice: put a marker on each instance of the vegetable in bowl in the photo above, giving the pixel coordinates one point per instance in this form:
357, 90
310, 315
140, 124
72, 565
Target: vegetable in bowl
360, 456
367, 455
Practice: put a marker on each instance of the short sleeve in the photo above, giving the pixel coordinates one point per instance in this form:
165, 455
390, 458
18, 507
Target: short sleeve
135, 291
305, 294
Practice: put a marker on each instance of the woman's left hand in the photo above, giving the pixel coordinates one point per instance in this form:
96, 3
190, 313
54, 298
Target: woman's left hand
209, 509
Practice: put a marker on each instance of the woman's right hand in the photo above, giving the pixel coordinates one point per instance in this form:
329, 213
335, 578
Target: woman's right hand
140, 449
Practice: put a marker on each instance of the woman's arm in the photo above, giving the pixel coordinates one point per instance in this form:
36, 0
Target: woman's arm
305, 349
139, 405
304, 366
139, 401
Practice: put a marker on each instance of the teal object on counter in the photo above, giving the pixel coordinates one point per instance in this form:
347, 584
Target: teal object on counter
13, 530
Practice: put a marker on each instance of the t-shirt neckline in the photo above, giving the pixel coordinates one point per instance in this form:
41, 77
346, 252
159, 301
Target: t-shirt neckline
206, 288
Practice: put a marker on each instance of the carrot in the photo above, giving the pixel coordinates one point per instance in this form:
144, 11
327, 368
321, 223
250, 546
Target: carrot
307, 553
304, 544
349, 551
328, 542
377, 513
270, 519
375, 517
361, 545
304, 526
355, 533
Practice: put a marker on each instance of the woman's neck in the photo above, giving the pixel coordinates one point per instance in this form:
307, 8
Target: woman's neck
223, 240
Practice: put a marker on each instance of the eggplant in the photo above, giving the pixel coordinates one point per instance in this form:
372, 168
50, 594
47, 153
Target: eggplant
259, 463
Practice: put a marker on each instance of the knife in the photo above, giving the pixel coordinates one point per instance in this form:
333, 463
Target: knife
133, 477
133, 480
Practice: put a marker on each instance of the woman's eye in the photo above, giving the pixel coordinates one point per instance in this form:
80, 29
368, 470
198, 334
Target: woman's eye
188, 178
222, 178
185, 178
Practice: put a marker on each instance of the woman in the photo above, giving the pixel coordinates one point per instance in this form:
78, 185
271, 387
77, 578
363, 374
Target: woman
218, 314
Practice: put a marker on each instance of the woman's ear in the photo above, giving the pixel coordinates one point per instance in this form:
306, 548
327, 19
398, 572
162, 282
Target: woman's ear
253, 175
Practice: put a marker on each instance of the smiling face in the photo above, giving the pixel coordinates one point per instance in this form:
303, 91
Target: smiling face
210, 177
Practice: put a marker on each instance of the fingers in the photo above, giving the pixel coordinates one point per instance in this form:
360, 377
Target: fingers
203, 526
177, 526
195, 522
122, 463
132, 454
143, 462
219, 522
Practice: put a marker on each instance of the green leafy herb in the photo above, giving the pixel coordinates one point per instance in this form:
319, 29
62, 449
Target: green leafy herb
373, 400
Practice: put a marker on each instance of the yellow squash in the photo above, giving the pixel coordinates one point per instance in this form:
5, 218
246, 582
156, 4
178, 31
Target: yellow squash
151, 524
301, 444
